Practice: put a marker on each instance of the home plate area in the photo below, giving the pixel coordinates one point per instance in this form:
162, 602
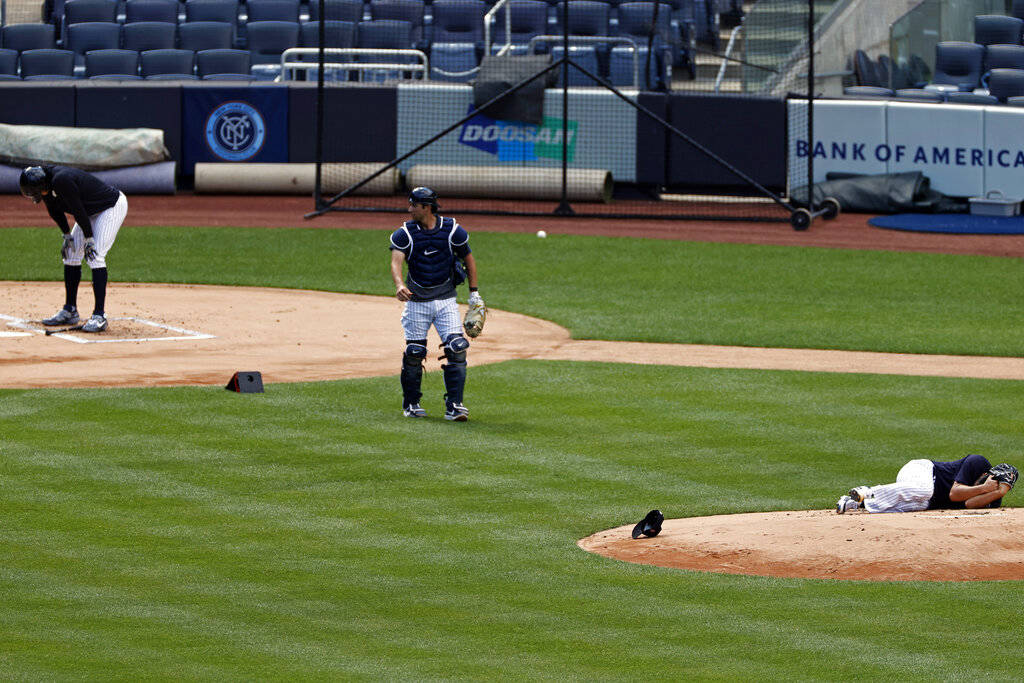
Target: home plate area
121, 329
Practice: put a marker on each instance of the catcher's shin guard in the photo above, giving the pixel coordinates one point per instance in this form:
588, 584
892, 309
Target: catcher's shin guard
455, 368
412, 371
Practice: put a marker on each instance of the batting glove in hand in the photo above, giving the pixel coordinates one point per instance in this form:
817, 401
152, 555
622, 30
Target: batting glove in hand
67, 247
1005, 474
90, 249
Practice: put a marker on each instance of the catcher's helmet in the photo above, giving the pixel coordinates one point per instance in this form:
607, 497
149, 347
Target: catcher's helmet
33, 182
425, 196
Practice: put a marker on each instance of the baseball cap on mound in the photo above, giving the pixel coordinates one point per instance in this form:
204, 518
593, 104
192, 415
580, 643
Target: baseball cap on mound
650, 525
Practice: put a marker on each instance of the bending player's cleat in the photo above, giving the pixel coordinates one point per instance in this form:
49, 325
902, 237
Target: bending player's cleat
456, 412
845, 504
97, 323
414, 410
859, 493
63, 317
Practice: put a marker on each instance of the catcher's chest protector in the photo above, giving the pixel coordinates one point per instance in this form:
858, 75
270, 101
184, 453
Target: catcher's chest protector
430, 255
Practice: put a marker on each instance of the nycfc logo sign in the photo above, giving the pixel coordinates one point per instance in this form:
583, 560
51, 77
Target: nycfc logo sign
235, 131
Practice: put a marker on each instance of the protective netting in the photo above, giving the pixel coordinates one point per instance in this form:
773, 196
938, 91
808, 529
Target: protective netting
679, 109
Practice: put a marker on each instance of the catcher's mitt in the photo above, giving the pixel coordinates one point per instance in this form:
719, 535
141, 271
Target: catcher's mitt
474, 320
1004, 473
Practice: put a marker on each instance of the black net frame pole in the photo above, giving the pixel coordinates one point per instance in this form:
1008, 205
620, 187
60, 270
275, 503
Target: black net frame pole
563, 208
686, 138
650, 46
394, 162
317, 194
810, 106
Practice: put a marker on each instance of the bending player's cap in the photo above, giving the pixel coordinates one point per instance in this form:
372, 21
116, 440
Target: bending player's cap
33, 182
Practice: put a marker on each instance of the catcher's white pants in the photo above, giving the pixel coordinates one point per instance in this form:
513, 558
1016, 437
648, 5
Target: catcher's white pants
443, 314
105, 225
914, 486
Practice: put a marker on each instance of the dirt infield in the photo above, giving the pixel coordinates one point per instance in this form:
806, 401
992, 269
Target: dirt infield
937, 545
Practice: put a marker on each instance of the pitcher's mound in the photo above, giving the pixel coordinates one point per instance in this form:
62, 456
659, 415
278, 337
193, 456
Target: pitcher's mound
937, 545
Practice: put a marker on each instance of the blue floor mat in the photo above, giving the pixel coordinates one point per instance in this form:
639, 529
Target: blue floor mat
957, 223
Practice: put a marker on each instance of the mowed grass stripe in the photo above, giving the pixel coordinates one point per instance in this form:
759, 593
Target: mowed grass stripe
617, 288
312, 532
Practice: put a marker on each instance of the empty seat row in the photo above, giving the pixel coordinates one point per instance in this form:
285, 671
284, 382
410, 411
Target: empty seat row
53, 64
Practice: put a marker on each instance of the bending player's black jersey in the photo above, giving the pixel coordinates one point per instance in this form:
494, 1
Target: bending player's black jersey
78, 193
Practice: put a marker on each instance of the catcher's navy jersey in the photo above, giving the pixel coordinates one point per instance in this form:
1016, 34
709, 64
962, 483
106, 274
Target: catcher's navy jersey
431, 256
964, 471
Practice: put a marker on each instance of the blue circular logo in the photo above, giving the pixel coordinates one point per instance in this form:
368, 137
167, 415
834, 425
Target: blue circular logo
235, 131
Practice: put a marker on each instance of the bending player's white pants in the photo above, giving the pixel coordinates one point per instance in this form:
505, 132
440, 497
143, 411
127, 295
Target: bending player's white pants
443, 314
911, 492
105, 225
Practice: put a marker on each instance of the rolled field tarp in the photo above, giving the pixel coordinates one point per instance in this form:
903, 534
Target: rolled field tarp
500, 182
90, 149
237, 178
155, 178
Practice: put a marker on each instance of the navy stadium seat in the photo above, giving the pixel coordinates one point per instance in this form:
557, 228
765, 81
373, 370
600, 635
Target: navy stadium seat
459, 21
267, 40
212, 10
970, 98
8, 62
585, 56
867, 92
917, 95
223, 62
958, 64
586, 18
148, 35
21, 37
205, 35
403, 10
92, 35
528, 18
621, 67
272, 10
336, 34
167, 64
453, 61
338, 10
79, 11
151, 10
47, 63
1002, 57
1004, 83
636, 21
387, 34
113, 63
996, 29
1017, 9
865, 70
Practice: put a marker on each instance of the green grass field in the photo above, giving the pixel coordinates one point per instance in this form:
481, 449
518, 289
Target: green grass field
313, 533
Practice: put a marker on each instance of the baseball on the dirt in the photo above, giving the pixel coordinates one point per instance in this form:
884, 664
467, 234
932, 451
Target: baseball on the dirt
542, 234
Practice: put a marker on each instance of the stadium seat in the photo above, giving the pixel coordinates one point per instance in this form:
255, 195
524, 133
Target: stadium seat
221, 64
969, 98
528, 18
151, 10
338, 10
267, 40
205, 35
21, 37
44, 64
386, 34
8, 62
336, 34
585, 56
112, 63
636, 21
620, 67
272, 10
453, 62
92, 35
212, 10
148, 35
167, 64
898, 74
993, 29
917, 95
459, 21
79, 11
403, 10
1004, 83
958, 64
867, 92
586, 18
1002, 57
866, 71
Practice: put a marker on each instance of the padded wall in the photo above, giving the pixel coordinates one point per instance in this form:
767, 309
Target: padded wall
28, 103
361, 123
651, 137
132, 106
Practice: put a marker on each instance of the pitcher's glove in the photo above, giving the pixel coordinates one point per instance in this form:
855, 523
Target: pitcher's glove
67, 247
1004, 473
475, 316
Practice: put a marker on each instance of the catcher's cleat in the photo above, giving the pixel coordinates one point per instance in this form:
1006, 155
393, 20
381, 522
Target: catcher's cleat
97, 323
859, 493
650, 525
456, 412
63, 317
845, 504
414, 410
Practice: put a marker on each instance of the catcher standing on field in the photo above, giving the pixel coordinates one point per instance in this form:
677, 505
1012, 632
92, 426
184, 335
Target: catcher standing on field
970, 482
436, 251
99, 210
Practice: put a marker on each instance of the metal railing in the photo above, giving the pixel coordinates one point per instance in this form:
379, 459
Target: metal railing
594, 39
727, 56
487, 28
290, 67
